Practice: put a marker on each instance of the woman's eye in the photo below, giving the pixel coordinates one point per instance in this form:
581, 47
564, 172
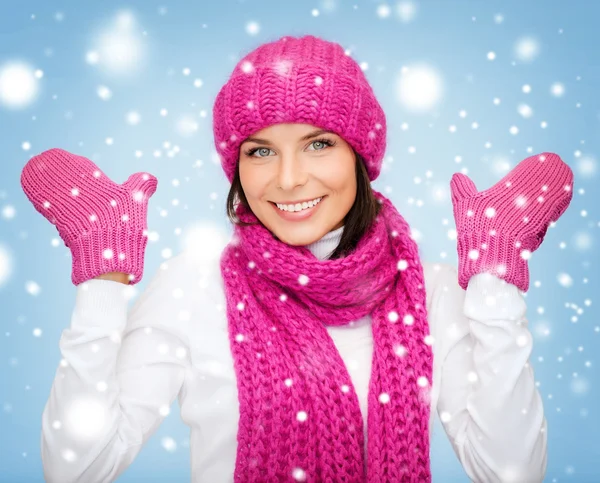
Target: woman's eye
263, 151
317, 142
251, 152
321, 143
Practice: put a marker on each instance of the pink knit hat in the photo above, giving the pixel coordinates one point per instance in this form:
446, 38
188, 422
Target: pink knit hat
299, 80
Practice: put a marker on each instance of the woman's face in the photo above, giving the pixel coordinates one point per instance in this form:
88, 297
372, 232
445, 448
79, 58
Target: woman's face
290, 163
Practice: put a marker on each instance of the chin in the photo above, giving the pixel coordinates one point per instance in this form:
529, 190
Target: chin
299, 237
297, 234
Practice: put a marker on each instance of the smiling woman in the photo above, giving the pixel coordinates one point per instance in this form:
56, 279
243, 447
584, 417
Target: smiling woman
300, 165
307, 354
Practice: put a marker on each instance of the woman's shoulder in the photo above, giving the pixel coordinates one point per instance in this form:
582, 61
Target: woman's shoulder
194, 267
199, 271
190, 262
196, 273
182, 292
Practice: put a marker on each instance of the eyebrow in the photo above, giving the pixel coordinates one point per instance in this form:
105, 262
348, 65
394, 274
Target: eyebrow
311, 134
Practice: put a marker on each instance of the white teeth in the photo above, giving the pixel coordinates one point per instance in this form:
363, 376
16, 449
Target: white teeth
299, 206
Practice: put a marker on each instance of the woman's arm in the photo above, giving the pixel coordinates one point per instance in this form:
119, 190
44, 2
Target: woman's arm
489, 405
114, 276
119, 375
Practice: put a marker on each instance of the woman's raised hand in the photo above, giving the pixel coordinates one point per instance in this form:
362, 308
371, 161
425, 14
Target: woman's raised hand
103, 223
498, 228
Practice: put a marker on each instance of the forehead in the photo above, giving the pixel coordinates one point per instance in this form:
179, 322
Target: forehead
287, 131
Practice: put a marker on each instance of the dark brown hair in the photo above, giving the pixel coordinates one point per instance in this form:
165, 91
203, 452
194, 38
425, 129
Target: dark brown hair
360, 216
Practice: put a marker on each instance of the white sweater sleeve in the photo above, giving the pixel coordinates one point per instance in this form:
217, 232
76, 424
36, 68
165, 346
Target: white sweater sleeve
119, 375
489, 405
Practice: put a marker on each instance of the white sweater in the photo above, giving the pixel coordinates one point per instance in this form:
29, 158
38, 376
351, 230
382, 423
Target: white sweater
121, 370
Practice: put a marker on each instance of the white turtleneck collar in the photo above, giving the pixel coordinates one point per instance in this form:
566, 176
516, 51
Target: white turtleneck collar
325, 246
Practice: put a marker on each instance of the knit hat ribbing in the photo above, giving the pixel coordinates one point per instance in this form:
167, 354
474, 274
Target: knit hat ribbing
299, 80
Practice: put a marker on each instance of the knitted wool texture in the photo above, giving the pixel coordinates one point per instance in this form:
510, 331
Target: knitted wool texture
500, 227
103, 223
299, 80
300, 418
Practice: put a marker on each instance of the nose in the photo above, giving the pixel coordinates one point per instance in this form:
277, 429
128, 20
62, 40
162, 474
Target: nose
291, 172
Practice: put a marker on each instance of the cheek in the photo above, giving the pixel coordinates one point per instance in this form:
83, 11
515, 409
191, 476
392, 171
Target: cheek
251, 181
339, 177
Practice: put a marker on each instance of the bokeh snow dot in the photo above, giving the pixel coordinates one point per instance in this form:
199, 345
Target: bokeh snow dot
587, 166
203, 241
104, 93
5, 265
383, 11
252, 28
564, 279
187, 125
19, 86
169, 444
118, 47
406, 11
92, 57
85, 418
69, 455
133, 118
419, 87
525, 110
557, 89
579, 386
527, 49
582, 240
32, 288
299, 474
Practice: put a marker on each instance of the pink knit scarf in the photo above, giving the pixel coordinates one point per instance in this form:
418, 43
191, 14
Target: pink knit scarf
300, 418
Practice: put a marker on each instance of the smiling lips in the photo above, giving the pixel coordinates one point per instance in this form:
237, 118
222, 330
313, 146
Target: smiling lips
298, 206
299, 211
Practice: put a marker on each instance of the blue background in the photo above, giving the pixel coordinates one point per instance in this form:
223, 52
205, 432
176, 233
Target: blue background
208, 38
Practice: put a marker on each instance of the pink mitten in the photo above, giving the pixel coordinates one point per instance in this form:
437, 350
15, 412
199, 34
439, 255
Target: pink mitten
101, 222
498, 229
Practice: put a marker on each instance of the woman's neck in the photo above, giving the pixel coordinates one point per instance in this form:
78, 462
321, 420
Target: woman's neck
325, 246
